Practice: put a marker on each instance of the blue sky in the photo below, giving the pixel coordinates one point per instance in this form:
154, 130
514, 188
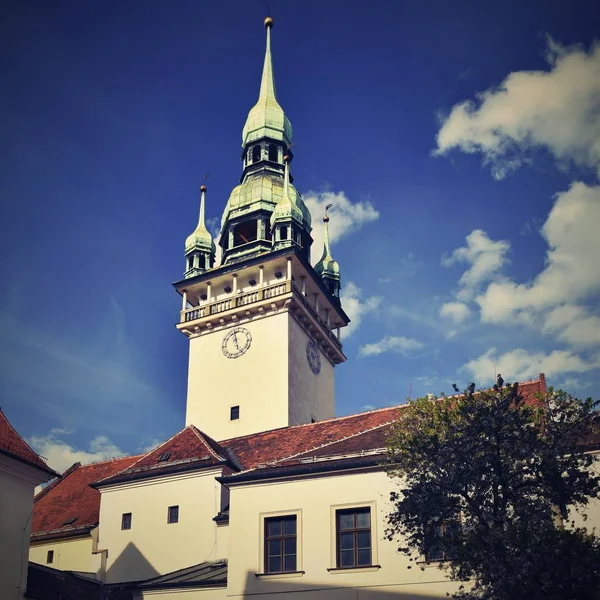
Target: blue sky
459, 142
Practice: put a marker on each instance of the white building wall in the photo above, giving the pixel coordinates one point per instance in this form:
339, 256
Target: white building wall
215, 593
314, 500
152, 546
257, 381
17, 483
312, 396
69, 554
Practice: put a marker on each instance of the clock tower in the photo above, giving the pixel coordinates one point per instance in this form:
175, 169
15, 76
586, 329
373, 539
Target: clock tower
263, 325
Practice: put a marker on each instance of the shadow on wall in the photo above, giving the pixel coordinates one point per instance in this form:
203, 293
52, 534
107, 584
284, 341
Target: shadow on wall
130, 565
341, 588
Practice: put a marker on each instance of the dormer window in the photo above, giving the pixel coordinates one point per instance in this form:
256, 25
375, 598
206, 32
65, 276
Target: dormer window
256, 152
273, 153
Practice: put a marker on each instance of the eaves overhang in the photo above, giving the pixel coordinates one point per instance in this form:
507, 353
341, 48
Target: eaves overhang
304, 469
64, 533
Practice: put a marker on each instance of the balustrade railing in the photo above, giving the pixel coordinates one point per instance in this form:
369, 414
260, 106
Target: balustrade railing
219, 306
271, 291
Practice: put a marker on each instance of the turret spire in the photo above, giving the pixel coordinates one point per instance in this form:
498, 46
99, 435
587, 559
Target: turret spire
199, 246
267, 83
328, 268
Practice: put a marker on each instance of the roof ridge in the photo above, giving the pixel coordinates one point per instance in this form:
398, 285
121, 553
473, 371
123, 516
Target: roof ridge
316, 423
200, 435
56, 481
331, 443
111, 459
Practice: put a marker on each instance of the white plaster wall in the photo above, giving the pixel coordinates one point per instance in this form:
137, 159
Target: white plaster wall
589, 516
69, 554
314, 498
215, 593
17, 482
311, 396
257, 381
152, 546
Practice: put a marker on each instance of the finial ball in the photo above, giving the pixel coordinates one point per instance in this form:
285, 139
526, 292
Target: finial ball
286, 158
326, 219
268, 22
202, 188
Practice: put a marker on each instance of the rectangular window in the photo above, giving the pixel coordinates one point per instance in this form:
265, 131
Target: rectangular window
126, 521
173, 514
50, 557
280, 544
234, 413
353, 533
435, 548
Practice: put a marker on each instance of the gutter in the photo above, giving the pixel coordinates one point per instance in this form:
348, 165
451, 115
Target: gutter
301, 469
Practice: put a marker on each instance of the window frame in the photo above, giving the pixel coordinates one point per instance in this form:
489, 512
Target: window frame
443, 525
334, 540
282, 537
355, 532
234, 409
50, 557
261, 570
175, 509
123, 521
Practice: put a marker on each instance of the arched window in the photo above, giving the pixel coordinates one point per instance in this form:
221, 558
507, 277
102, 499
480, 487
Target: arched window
256, 152
190, 262
273, 153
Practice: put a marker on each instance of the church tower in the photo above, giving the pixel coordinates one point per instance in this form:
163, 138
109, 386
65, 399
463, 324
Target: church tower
263, 325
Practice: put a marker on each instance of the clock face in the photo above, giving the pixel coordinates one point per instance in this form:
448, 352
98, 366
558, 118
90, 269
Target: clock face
236, 342
313, 355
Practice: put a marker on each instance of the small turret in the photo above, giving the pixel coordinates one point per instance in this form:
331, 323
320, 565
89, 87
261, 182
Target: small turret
327, 268
199, 246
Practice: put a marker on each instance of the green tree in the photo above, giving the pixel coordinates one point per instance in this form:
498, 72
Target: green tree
486, 481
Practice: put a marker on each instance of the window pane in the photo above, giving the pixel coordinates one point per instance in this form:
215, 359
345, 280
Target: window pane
275, 527
274, 547
290, 563
364, 557
346, 520
289, 526
347, 558
290, 546
363, 539
363, 519
274, 564
347, 541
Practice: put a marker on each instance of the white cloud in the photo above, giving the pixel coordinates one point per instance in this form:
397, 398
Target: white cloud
485, 257
519, 364
570, 276
557, 109
573, 325
356, 307
390, 343
61, 455
458, 312
346, 217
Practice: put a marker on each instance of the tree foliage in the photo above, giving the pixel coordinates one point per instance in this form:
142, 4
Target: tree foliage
509, 472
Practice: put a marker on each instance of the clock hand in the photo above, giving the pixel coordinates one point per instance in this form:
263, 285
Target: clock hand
235, 341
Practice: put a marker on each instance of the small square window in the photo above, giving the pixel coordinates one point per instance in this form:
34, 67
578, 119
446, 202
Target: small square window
50, 557
173, 514
126, 521
234, 413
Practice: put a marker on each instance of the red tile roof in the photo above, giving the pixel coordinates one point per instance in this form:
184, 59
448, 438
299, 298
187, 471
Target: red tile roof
13, 444
193, 449
188, 449
71, 496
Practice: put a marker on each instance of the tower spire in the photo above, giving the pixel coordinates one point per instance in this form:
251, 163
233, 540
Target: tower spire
267, 83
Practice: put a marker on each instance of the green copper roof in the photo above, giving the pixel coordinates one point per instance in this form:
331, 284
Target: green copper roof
200, 239
266, 118
327, 267
263, 191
